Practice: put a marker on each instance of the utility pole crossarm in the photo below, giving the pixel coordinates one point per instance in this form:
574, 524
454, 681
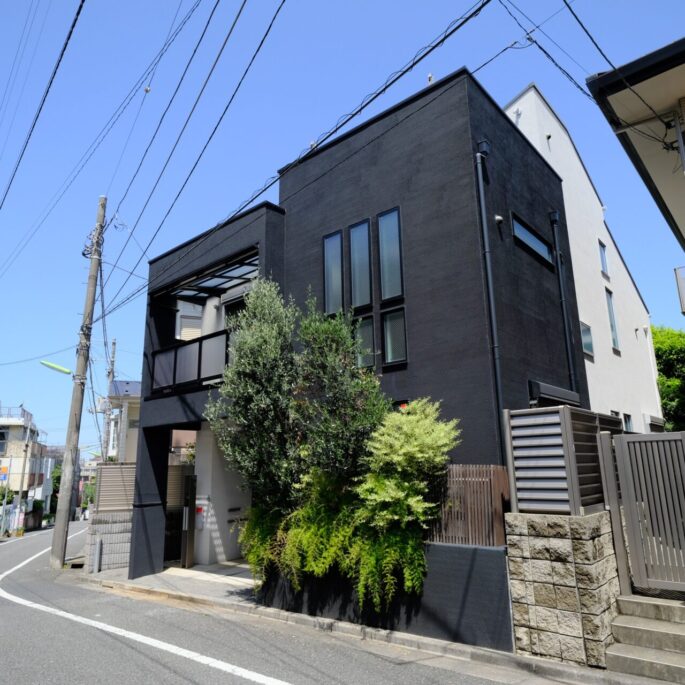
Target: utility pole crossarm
61, 530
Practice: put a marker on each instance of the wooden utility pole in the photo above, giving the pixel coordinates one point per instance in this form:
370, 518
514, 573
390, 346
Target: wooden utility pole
108, 404
61, 530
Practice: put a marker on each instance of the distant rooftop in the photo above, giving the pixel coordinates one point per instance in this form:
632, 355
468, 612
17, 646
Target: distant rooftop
124, 389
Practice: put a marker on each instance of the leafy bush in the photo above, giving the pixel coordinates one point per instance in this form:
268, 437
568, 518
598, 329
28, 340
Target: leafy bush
669, 349
338, 480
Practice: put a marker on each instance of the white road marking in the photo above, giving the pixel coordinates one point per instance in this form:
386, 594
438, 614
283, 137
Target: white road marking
244, 673
24, 537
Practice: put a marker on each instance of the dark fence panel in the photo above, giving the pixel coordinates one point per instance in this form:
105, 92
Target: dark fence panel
473, 509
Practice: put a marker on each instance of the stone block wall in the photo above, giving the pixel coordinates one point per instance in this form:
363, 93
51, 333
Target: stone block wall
564, 584
114, 528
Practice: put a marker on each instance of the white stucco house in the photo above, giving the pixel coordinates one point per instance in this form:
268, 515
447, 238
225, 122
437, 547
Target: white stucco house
615, 323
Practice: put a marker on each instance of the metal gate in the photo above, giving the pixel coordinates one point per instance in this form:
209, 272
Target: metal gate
651, 474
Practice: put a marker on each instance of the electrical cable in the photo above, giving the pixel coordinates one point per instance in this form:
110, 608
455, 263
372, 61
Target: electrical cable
38, 357
92, 148
453, 27
143, 100
154, 135
246, 71
25, 81
42, 102
614, 67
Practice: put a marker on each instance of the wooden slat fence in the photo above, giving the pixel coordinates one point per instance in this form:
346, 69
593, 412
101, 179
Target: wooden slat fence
472, 512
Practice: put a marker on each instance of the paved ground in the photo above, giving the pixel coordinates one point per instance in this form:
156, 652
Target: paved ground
55, 629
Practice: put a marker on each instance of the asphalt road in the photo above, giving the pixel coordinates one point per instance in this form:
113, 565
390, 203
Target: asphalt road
54, 629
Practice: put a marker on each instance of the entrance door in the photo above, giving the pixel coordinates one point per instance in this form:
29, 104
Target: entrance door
651, 470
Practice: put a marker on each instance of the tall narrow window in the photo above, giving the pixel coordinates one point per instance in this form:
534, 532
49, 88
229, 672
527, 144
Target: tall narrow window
3, 440
394, 337
612, 319
390, 254
366, 356
603, 258
360, 264
332, 259
628, 423
586, 336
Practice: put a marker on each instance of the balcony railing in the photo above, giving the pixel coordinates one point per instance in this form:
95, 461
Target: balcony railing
190, 363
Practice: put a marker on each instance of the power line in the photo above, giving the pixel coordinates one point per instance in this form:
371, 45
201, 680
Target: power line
42, 102
613, 66
154, 135
143, 100
453, 27
94, 145
38, 357
246, 71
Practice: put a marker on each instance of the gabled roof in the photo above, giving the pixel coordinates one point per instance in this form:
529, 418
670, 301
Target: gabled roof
533, 87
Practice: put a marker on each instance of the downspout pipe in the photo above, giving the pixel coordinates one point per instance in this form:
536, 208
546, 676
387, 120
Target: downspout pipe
481, 156
559, 258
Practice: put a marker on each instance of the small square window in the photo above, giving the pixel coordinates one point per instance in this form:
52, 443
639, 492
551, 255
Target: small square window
586, 336
394, 337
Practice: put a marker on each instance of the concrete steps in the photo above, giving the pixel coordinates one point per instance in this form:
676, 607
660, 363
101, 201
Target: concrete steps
650, 639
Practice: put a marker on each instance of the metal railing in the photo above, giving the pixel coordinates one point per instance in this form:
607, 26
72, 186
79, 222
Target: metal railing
188, 363
472, 512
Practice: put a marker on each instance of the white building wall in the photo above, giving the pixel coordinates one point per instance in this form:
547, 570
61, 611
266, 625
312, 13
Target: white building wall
223, 500
626, 381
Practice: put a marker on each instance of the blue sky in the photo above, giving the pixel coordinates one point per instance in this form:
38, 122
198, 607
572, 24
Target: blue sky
318, 63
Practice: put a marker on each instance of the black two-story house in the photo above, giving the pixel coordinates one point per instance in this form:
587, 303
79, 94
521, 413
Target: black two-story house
438, 225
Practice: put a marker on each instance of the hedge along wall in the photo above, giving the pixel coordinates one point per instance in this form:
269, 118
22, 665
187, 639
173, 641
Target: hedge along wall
465, 598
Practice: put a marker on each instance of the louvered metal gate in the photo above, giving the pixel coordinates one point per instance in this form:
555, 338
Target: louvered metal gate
651, 471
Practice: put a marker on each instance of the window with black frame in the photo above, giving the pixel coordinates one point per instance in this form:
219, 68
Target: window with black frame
360, 264
394, 337
366, 356
390, 255
333, 273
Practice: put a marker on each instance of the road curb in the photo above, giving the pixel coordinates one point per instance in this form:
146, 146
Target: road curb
543, 668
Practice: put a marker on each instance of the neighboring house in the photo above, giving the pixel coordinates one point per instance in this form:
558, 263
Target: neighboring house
387, 221
24, 464
644, 102
614, 321
124, 399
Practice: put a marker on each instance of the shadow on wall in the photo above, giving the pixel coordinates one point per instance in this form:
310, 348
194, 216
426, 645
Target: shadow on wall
465, 598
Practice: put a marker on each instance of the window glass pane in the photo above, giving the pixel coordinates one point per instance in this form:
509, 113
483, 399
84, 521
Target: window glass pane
332, 250
186, 362
612, 319
538, 245
603, 257
628, 423
164, 369
394, 341
389, 247
360, 265
213, 356
366, 355
586, 335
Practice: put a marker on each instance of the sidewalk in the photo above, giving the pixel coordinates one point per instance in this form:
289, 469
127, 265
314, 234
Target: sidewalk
229, 587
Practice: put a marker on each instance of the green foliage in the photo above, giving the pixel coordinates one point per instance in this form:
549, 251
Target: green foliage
372, 529
252, 417
669, 349
337, 405
56, 479
338, 481
88, 494
4, 489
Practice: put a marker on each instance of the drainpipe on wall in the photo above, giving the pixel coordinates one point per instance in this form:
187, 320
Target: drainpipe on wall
554, 219
481, 156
